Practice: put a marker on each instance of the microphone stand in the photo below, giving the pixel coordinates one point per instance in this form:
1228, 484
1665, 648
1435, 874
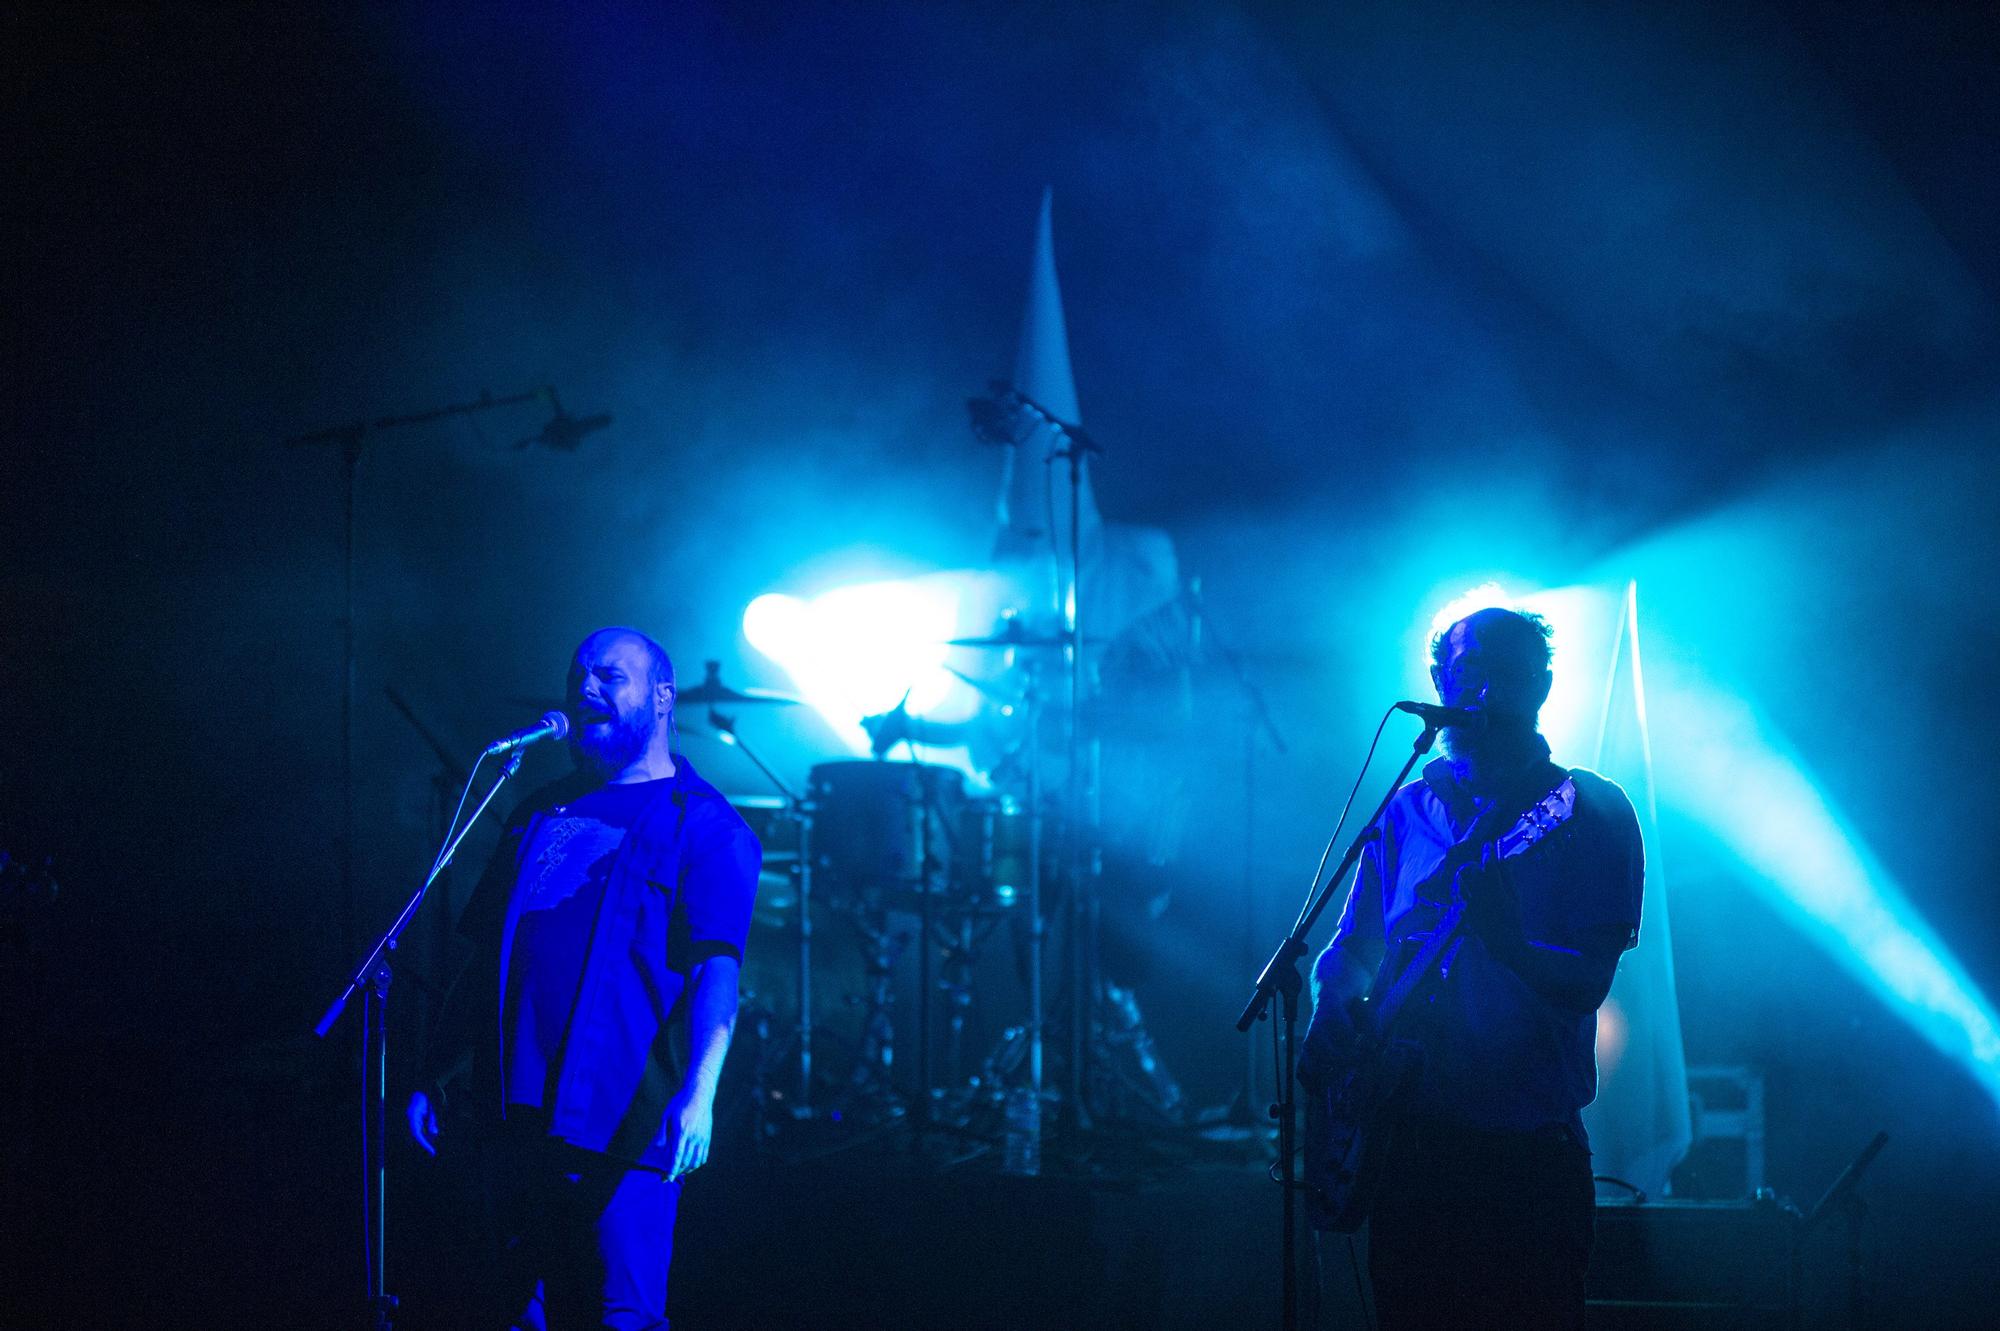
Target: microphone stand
373, 976
1081, 832
351, 439
1844, 1199
1280, 979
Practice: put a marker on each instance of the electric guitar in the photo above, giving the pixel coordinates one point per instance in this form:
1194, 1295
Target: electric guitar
1353, 1111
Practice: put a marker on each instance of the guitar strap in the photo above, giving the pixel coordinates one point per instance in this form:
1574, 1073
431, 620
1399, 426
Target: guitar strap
1409, 963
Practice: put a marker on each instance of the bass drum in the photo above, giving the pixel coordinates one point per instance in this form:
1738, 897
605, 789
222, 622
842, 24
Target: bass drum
882, 831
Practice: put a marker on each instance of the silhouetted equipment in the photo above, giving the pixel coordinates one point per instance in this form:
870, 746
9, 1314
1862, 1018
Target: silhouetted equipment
712, 692
564, 432
1673, 1264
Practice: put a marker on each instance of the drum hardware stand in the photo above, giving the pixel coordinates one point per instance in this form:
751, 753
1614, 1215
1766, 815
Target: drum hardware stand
373, 977
801, 812
1280, 979
1256, 722
961, 953
1030, 704
921, 797
876, 1054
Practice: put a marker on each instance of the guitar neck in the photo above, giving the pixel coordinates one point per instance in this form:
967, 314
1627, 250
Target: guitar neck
1385, 1004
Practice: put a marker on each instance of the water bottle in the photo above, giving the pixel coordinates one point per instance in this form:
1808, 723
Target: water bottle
1023, 1152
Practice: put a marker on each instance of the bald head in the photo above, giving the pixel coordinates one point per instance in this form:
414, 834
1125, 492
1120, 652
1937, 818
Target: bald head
660, 668
621, 696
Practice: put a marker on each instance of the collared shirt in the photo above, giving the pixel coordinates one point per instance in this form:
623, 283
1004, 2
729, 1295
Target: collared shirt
677, 889
1497, 1055
564, 869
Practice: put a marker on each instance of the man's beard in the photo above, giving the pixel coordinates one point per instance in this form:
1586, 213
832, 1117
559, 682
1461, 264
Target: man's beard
1503, 737
614, 749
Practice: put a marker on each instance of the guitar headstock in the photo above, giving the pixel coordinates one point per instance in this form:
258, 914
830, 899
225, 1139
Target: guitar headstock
1549, 812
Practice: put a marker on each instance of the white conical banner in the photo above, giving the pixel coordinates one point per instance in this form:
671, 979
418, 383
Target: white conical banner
1035, 508
1041, 359
1639, 1125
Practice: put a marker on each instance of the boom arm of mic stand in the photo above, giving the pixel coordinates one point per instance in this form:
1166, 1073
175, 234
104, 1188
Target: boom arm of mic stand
1274, 979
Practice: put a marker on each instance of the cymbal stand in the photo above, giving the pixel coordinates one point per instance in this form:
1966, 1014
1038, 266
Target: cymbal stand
801, 812
1030, 705
1257, 723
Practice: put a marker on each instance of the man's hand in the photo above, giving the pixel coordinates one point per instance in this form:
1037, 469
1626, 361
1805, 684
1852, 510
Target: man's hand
1491, 908
1329, 1043
423, 1121
685, 1130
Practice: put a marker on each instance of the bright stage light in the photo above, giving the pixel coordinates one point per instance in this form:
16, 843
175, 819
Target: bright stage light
857, 650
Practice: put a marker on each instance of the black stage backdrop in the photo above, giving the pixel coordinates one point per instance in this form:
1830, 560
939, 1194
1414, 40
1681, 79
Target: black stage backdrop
1362, 300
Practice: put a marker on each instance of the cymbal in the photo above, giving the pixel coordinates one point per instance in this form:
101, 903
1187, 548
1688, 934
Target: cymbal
1013, 635
712, 691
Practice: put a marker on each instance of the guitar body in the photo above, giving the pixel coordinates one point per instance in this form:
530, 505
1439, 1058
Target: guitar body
1350, 1134
1354, 1110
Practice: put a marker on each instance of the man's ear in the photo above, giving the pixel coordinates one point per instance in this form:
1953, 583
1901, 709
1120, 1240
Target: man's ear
1542, 694
1437, 682
663, 698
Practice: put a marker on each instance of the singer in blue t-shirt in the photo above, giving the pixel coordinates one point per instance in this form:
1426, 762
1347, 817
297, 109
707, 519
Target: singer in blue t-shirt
590, 1026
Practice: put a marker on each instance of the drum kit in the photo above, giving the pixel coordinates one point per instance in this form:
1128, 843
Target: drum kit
884, 883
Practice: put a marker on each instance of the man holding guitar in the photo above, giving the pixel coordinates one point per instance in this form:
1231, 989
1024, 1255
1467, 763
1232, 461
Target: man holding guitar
1452, 1043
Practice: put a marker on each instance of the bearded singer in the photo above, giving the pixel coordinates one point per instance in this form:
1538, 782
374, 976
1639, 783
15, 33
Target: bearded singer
589, 1028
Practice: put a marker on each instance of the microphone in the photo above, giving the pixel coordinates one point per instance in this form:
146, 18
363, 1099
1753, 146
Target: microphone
1434, 716
996, 419
564, 431
553, 725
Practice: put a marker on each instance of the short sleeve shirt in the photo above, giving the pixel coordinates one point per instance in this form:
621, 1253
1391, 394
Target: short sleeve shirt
563, 873
1497, 1055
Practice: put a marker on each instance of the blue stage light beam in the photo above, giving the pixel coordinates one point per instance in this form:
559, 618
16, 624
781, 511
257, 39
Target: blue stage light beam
1736, 775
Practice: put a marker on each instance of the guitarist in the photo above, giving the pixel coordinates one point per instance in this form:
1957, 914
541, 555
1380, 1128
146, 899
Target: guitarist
1484, 1213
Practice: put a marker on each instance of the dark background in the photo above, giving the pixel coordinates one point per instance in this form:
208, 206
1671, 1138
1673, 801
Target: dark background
1366, 301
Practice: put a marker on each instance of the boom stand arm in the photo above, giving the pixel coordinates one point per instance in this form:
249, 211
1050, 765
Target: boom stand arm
373, 975
1281, 978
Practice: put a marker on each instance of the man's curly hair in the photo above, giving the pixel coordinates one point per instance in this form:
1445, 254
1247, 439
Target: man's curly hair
1532, 627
